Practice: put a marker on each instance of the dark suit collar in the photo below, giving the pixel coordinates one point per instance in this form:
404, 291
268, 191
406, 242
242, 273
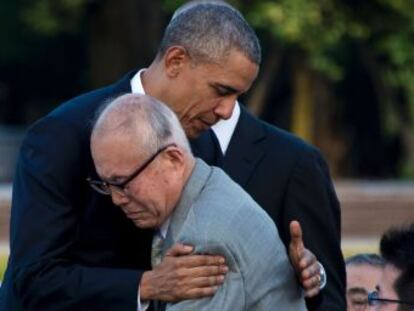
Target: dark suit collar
245, 149
123, 85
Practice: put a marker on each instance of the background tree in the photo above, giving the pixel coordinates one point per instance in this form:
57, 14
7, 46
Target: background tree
338, 73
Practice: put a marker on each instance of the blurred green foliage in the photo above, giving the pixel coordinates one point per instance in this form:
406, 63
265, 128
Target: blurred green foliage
317, 27
321, 31
52, 17
3, 264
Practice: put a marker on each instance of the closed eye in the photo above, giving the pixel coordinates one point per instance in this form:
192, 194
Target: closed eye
223, 90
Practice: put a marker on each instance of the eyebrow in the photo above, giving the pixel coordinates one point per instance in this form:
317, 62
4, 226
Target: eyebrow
357, 290
113, 178
228, 88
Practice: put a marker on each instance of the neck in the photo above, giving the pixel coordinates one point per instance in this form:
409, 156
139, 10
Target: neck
154, 81
189, 169
177, 190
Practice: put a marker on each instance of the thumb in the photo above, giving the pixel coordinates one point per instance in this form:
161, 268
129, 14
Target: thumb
179, 249
296, 240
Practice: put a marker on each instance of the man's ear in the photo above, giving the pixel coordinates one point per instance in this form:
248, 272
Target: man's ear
176, 157
175, 58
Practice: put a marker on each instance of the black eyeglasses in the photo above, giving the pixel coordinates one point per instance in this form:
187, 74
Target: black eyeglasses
104, 187
374, 300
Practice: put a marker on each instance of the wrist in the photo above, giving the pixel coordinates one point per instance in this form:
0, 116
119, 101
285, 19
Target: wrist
147, 292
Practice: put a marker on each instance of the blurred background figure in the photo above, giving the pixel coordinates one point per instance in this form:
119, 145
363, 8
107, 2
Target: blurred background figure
363, 273
395, 290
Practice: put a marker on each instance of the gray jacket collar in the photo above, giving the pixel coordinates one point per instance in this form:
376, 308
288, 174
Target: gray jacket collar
192, 189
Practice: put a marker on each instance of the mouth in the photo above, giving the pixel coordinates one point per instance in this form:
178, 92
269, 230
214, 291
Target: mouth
133, 215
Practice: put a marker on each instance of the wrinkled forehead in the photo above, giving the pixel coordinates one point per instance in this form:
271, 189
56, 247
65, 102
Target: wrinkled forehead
114, 149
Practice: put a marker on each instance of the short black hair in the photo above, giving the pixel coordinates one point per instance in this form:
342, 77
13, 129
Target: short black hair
397, 248
209, 30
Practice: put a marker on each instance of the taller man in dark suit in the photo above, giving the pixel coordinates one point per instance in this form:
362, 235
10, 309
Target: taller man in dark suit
72, 249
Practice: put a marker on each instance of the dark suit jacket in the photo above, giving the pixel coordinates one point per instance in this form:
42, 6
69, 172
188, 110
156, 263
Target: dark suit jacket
290, 180
71, 248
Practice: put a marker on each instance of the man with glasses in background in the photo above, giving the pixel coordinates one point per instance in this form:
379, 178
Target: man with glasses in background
363, 272
395, 290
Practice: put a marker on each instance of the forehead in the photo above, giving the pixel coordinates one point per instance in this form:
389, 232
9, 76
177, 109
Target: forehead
234, 70
363, 275
114, 154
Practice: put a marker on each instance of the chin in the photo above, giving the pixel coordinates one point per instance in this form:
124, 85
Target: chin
145, 224
194, 133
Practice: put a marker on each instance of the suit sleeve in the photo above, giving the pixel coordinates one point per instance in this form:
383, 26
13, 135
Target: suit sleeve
311, 200
229, 296
44, 228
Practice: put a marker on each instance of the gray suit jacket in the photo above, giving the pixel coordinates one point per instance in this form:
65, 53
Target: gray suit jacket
216, 216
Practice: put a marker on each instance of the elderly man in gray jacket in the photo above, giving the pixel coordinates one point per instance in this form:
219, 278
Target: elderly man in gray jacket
144, 161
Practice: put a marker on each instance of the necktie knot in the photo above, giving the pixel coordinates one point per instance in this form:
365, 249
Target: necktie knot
207, 147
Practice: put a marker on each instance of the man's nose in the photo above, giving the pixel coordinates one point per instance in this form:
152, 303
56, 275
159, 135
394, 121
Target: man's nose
118, 197
225, 107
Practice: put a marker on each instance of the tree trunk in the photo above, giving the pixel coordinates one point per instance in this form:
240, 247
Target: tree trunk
124, 35
302, 102
260, 91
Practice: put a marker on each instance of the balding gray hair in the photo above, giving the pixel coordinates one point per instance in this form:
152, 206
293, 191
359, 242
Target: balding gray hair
209, 31
146, 119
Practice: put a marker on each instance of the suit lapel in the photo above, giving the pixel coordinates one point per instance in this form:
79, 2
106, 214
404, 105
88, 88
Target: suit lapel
246, 148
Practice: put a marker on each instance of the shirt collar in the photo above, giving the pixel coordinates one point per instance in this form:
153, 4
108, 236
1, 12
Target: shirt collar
223, 129
164, 228
136, 83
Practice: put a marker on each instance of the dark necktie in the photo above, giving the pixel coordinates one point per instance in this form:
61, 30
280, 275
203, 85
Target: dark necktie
156, 251
207, 147
156, 257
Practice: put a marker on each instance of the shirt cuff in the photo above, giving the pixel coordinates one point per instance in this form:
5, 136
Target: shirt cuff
141, 305
322, 274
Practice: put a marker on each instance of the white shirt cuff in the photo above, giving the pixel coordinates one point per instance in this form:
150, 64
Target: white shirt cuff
141, 305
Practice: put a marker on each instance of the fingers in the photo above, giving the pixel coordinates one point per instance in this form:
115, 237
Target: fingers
296, 234
212, 281
179, 249
202, 286
308, 262
183, 275
309, 266
197, 293
310, 283
193, 261
313, 292
207, 271
189, 261
311, 280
